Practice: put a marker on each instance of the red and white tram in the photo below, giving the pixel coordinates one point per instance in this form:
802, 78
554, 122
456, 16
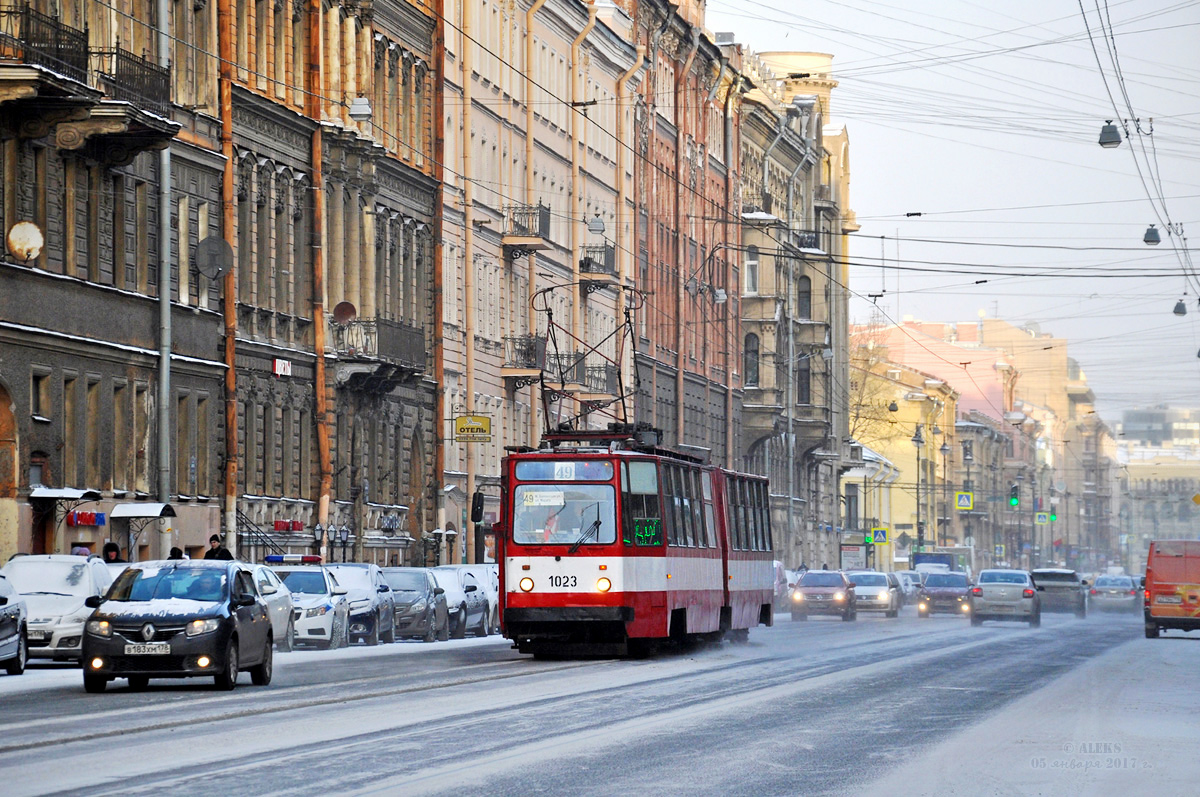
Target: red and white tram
608, 545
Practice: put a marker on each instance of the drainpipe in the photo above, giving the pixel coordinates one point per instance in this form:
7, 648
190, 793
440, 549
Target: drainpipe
164, 291
767, 156
731, 201
225, 49
439, 347
531, 286
626, 265
656, 326
712, 94
681, 77
578, 153
468, 268
313, 111
791, 322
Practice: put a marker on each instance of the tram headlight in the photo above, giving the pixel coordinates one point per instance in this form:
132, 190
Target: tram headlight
603, 584
526, 584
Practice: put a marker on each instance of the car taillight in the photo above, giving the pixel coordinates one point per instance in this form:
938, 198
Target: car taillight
1027, 593
1146, 597
1093, 591
1133, 592
977, 590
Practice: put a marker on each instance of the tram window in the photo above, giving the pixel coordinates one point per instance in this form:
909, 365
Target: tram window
642, 519
765, 503
698, 511
688, 499
571, 470
670, 499
677, 507
711, 525
751, 513
740, 503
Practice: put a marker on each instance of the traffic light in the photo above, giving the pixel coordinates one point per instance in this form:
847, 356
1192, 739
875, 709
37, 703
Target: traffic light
1053, 516
1014, 495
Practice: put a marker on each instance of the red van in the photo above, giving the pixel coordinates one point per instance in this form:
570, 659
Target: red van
1171, 591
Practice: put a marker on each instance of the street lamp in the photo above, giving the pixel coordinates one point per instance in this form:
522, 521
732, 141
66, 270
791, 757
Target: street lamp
344, 537
318, 535
945, 452
1110, 136
918, 440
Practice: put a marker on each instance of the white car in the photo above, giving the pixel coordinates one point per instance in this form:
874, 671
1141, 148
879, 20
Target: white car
1005, 595
321, 612
14, 649
488, 578
279, 605
876, 592
54, 587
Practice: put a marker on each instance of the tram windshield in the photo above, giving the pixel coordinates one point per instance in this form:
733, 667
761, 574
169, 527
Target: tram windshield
564, 514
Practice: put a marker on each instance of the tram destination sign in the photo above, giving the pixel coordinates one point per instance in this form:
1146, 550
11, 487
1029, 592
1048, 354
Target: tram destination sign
473, 429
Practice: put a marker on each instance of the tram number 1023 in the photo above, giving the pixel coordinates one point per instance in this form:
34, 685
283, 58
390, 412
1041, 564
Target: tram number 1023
563, 581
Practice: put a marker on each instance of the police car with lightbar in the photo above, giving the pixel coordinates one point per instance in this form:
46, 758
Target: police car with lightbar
322, 613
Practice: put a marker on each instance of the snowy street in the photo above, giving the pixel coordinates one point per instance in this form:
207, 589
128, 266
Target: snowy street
824, 707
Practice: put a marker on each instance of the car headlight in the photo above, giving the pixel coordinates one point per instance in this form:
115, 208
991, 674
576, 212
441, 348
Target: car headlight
419, 606
921, 605
839, 596
882, 596
356, 606
797, 596
99, 628
75, 619
198, 627
317, 611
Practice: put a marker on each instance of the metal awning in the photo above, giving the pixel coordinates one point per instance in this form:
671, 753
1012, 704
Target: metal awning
64, 494
142, 510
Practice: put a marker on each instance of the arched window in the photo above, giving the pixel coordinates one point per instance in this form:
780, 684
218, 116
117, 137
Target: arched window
804, 298
752, 269
750, 364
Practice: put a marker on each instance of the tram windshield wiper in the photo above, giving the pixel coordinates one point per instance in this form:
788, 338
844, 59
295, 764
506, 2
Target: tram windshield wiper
589, 531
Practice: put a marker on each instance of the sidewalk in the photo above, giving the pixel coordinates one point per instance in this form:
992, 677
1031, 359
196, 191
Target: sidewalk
1124, 723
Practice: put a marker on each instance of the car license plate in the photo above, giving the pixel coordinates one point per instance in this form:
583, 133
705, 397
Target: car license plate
154, 649
818, 597
1168, 599
39, 635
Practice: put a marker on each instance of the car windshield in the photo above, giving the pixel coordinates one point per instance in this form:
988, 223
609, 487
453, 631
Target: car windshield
354, 577
405, 580
946, 580
307, 582
44, 577
155, 583
869, 579
812, 579
999, 577
1048, 575
564, 514
1114, 581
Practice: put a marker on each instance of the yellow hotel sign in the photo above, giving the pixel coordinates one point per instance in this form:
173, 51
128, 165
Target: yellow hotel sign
473, 429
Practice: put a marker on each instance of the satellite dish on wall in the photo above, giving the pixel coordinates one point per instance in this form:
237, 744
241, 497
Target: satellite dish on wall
214, 256
344, 313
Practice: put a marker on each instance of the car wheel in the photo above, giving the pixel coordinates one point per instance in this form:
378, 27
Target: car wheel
94, 684
1151, 631
227, 678
431, 629
390, 635
260, 674
373, 637
138, 682
443, 633
849, 617
288, 643
484, 628
976, 619
460, 623
16, 665
1081, 612
799, 617
1035, 620
922, 615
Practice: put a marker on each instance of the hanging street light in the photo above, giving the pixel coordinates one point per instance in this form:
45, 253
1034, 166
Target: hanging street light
1152, 238
1110, 136
1180, 308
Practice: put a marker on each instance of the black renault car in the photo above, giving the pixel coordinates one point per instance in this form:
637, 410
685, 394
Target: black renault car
178, 619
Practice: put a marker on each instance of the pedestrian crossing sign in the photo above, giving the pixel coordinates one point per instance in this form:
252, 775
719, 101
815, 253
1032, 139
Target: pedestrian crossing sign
880, 535
1041, 518
964, 501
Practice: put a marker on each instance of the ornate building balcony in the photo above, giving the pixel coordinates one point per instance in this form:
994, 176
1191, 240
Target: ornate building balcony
598, 267
566, 372
526, 229
376, 354
43, 72
524, 358
600, 384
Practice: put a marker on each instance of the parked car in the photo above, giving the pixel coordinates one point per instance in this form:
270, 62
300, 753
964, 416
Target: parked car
910, 583
824, 592
1115, 593
1005, 595
488, 578
876, 592
944, 592
178, 619
420, 603
466, 602
1171, 596
320, 609
14, 646
372, 605
279, 605
1062, 590
55, 587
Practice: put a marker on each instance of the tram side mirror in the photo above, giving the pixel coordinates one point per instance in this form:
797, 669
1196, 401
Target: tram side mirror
477, 507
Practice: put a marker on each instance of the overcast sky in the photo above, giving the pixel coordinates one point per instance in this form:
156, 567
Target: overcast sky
984, 118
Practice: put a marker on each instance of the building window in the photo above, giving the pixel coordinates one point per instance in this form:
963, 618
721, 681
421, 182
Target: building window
804, 298
750, 364
751, 270
804, 382
39, 396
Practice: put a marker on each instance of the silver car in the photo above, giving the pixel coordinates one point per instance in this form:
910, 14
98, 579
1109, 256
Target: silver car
279, 605
1116, 593
877, 592
1005, 595
14, 649
55, 587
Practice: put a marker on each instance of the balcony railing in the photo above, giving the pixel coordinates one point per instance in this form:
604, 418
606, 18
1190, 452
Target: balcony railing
528, 220
135, 80
525, 351
601, 379
809, 239
41, 40
599, 259
380, 339
566, 368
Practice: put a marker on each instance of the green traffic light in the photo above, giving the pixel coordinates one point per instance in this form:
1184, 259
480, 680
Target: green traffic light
1053, 517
